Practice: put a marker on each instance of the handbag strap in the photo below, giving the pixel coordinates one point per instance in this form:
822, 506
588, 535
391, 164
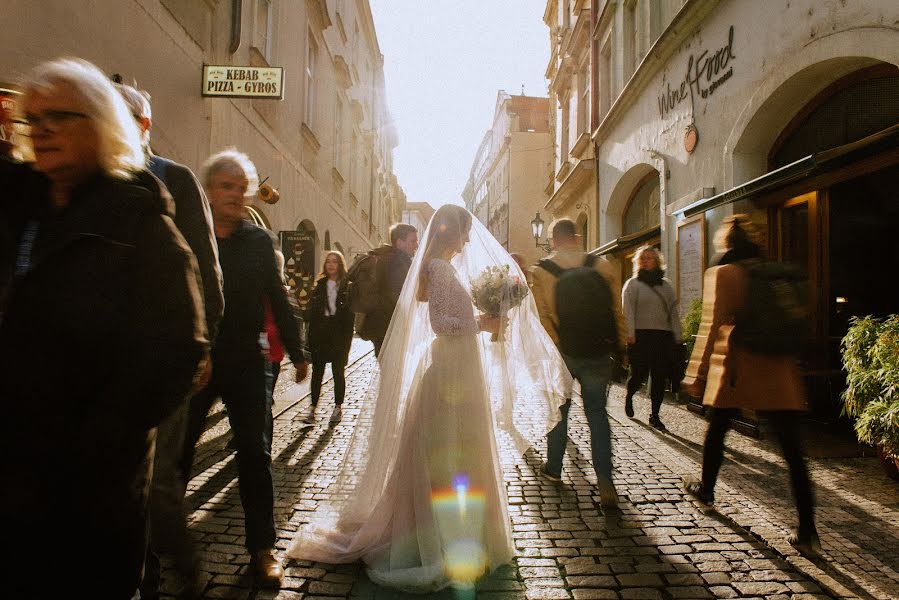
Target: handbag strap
664, 303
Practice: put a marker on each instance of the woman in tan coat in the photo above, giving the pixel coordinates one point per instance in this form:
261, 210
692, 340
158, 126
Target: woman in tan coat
729, 377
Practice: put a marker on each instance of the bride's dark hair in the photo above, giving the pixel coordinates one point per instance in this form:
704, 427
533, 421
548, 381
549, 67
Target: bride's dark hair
445, 232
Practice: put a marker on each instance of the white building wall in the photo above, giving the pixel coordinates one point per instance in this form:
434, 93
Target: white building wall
783, 53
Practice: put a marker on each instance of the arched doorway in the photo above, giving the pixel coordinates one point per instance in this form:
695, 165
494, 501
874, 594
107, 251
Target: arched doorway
837, 222
635, 203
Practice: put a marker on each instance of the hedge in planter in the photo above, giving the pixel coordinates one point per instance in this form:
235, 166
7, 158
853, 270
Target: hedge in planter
690, 324
871, 361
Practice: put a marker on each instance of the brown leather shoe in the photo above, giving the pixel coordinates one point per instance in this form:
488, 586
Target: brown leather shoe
269, 571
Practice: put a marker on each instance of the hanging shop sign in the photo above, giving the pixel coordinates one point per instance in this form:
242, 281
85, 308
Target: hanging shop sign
243, 82
705, 73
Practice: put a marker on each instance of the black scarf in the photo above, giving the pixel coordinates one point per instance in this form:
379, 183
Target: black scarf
651, 278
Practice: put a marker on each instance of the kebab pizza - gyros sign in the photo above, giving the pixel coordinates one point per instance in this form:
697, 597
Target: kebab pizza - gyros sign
243, 82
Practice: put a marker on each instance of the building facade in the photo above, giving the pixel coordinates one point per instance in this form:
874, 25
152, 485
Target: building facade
418, 214
784, 109
327, 146
507, 181
571, 184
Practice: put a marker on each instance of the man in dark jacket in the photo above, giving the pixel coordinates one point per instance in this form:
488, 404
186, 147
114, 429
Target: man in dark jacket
393, 264
168, 525
247, 256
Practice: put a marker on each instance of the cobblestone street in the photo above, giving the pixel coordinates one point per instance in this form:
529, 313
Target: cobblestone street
658, 544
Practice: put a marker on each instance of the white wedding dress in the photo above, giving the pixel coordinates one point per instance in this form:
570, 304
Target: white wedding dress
421, 495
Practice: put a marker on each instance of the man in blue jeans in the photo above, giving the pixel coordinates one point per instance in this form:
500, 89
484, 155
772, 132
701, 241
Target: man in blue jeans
578, 297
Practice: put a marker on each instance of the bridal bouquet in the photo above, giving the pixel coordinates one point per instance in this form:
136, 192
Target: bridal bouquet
495, 291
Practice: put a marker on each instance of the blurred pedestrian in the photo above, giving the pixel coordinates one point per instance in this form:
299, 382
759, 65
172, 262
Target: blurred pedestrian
377, 280
102, 334
330, 331
578, 299
730, 377
168, 525
250, 275
653, 330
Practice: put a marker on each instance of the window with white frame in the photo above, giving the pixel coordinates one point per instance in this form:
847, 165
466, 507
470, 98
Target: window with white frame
565, 13
583, 99
631, 38
564, 129
605, 77
262, 28
311, 61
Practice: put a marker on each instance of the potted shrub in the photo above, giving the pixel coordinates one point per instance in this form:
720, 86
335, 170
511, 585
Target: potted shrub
689, 327
871, 361
690, 324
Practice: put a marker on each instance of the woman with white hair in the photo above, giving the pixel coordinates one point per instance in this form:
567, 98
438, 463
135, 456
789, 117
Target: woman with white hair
102, 332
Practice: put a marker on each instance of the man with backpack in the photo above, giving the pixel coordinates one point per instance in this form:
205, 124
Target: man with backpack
376, 281
578, 298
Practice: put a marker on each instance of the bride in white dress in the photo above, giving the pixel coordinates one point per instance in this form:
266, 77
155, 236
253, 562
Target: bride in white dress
420, 497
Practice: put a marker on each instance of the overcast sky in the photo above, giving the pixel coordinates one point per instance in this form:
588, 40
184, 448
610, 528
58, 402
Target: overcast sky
444, 61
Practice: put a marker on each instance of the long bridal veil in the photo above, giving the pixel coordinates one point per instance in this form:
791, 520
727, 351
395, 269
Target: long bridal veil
525, 379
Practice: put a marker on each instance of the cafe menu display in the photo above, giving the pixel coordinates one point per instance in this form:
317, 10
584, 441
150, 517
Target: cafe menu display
690, 261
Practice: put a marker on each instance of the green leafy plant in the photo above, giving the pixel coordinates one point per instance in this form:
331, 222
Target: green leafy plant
871, 361
690, 324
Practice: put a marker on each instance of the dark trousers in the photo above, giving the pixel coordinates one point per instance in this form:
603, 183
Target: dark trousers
377, 344
240, 382
318, 373
785, 424
168, 522
650, 356
593, 375
272, 371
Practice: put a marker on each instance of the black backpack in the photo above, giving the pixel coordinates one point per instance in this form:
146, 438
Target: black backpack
586, 310
365, 284
775, 320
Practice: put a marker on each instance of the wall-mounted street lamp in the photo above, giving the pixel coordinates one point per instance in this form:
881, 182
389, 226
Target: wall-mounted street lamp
537, 231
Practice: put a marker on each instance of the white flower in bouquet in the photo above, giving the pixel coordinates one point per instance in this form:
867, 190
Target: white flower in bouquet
496, 290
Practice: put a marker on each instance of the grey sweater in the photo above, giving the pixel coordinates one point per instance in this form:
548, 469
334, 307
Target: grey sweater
643, 308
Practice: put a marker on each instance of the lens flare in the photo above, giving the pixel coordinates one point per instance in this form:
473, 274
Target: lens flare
460, 515
464, 561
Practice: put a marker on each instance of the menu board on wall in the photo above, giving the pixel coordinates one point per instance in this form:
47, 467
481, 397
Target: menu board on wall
690, 261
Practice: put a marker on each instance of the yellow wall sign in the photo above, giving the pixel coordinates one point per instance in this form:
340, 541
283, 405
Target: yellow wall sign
243, 82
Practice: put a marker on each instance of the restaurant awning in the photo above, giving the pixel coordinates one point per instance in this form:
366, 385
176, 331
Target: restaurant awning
813, 164
627, 241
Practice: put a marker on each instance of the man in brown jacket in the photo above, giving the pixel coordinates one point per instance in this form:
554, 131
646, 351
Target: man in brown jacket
592, 368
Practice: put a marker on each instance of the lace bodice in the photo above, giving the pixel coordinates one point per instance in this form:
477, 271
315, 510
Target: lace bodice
449, 305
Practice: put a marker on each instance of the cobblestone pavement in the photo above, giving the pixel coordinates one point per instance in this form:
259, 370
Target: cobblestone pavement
658, 544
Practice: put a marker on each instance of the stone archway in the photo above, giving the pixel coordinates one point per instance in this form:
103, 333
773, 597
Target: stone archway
792, 85
620, 199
